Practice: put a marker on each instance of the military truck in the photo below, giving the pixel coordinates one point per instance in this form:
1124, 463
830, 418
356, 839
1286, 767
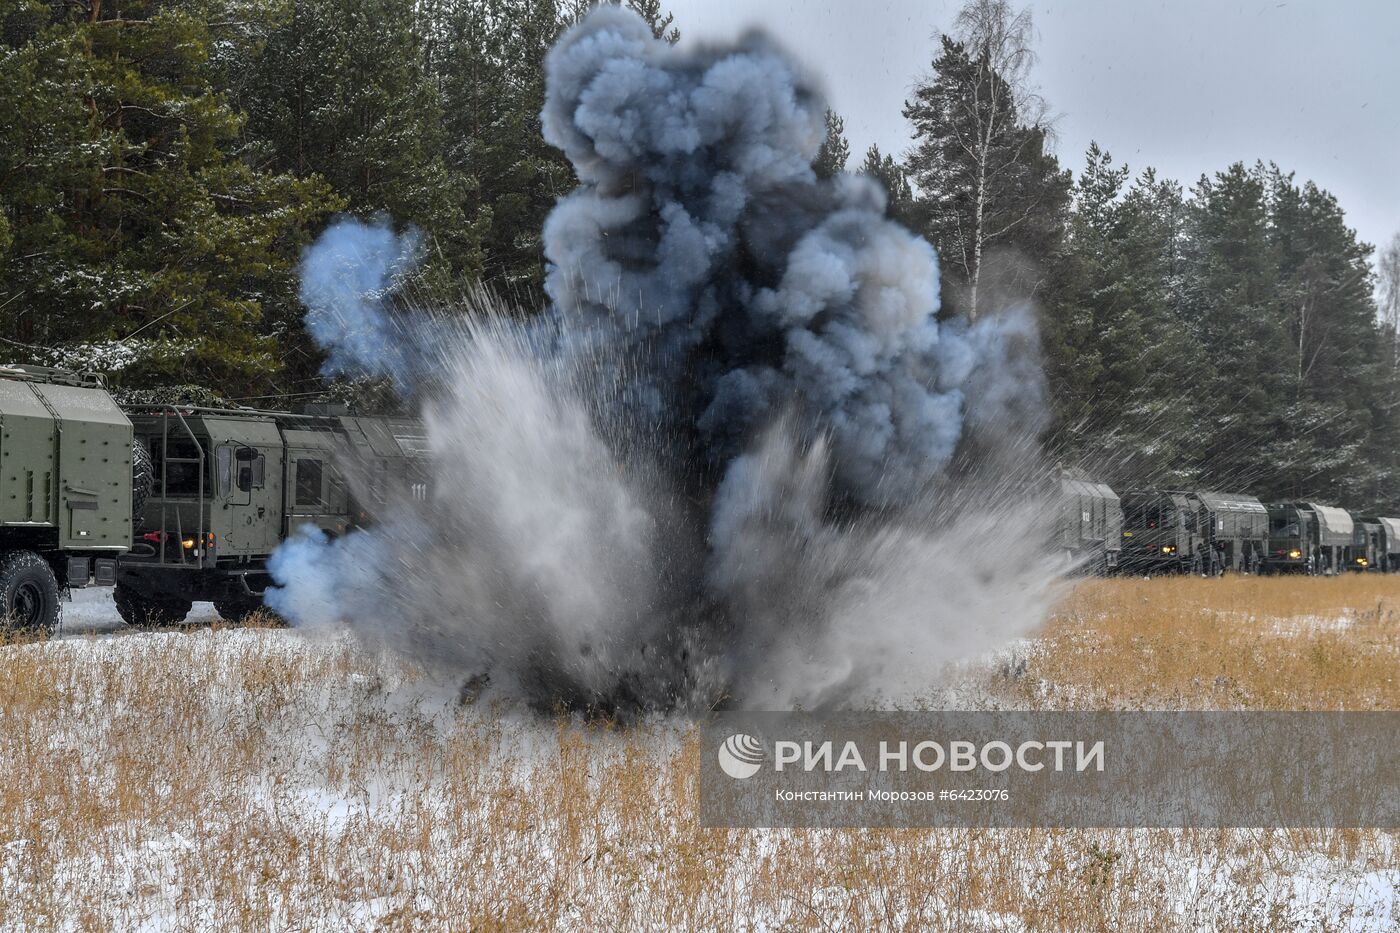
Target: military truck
1089, 526
1386, 556
1305, 537
65, 490
1367, 546
229, 485
1236, 529
1201, 532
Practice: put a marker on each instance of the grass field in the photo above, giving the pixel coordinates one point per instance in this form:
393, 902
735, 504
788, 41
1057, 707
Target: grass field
255, 780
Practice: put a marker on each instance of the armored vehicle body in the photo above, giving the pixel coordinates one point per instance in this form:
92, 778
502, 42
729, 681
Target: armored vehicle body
65, 489
1236, 529
229, 485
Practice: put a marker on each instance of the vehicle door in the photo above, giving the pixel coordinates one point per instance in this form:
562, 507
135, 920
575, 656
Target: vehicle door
247, 518
316, 492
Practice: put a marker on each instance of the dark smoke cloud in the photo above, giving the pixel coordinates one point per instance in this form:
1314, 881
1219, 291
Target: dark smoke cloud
701, 233
738, 457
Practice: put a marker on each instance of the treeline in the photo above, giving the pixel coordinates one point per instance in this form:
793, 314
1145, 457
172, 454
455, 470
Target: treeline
164, 162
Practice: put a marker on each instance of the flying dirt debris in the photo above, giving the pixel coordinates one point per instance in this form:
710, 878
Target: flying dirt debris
737, 459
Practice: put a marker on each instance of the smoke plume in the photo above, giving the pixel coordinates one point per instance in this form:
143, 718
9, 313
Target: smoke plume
738, 458
343, 282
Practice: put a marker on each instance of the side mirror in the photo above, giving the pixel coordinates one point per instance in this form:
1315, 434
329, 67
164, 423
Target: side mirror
246, 454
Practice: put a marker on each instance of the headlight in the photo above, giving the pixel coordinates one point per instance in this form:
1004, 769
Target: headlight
1295, 554
1168, 549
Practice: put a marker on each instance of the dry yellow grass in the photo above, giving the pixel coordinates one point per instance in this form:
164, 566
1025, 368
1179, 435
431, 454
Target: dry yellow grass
1234, 643
253, 780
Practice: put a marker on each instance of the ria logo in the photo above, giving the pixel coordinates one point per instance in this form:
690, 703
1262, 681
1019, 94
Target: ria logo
740, 756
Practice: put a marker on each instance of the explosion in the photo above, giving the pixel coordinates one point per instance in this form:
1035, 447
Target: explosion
738, 459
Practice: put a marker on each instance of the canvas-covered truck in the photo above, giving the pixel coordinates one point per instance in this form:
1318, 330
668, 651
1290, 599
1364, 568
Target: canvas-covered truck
1305, 537
1386, 548
229, 485
1089, 525
65, 490
1200, 531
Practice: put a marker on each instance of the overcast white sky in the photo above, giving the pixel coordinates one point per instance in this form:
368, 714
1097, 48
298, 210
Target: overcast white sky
1188, 86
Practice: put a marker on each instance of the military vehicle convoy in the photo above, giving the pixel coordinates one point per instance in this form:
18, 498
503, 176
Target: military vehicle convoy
176, 504
173, 504
1210, 533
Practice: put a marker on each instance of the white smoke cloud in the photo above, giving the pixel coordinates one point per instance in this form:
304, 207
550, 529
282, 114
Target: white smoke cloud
343, 278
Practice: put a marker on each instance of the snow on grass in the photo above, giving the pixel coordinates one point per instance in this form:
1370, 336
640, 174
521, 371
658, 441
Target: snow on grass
214, 778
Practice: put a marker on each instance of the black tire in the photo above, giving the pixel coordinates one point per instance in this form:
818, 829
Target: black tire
143, 481
237, 611
28, 593
138, 610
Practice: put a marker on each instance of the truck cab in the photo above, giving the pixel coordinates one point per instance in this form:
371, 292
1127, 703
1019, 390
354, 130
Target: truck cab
1307, 537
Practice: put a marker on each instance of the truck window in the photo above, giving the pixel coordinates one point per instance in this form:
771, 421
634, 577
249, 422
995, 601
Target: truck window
179, 464
308, 482
223, 469
252, 474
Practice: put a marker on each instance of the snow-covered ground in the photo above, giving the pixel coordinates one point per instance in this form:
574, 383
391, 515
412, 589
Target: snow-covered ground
91, 612
202, 778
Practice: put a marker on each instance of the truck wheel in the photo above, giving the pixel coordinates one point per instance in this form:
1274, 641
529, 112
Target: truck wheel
138, 610
28, 593
237, 611
143, 481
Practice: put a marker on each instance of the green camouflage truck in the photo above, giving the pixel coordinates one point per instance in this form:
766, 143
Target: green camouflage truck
1384, 539
1305, 537
1200, 532
65, 490
1089, 525
229, 485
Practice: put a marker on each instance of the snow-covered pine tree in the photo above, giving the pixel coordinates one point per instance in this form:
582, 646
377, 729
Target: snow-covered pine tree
890, 174
1120, 357
835, 151
142, 243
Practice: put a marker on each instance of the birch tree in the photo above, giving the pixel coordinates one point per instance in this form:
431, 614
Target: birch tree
985, 176
1388, 295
